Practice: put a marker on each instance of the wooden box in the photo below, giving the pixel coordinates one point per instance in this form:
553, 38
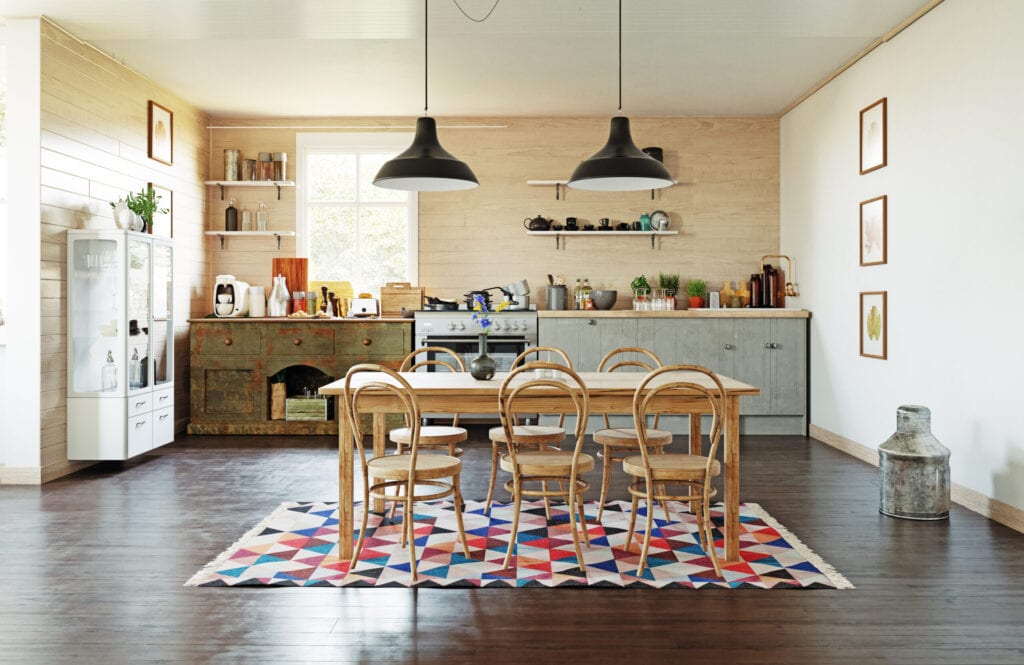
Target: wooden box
302, 408
396, 295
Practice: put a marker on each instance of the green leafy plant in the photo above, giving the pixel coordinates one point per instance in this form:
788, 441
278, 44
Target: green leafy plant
669, 281
145, 204
638, 283
696, 288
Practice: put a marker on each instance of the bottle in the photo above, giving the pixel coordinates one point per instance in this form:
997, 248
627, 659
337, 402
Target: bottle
769, 285
261, 216
231, 216
727, 294
755, 290
588, 301
108, 377
577, 295
246, 219
135, 370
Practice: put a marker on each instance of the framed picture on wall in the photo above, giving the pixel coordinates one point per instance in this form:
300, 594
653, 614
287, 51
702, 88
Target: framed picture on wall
163, 222
873, 231
874, 321
873, 137
161, 133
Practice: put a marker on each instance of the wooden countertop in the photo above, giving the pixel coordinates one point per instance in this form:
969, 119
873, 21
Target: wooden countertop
298, 319
746, 313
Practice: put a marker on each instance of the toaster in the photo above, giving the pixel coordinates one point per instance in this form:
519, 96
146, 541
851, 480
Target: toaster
363, 307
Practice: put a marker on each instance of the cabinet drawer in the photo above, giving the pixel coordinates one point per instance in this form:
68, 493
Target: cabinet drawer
140, 434
163, 426
374, 339
163, 398
139, 404
225, 339
299, 340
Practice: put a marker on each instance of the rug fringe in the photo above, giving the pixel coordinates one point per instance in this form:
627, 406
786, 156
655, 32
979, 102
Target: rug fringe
812, 557
221, 558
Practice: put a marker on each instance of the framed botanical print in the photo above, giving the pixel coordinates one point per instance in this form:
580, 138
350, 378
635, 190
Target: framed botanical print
161, 133
873, 212
874, 321
873, 137
163, 216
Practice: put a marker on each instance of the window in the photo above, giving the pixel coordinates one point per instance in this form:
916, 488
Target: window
3, 179
347, 228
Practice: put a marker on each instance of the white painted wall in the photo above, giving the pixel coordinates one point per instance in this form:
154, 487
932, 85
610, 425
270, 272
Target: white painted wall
955, 181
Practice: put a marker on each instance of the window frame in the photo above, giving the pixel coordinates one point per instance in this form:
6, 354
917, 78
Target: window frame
307, 143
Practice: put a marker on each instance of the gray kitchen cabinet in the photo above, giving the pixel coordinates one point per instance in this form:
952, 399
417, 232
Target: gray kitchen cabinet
586, 341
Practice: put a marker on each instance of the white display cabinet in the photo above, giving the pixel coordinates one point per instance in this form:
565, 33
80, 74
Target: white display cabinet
120, 314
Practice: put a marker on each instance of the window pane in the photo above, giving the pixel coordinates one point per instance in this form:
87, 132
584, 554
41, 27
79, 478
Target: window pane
333, 246
384, 246
332, 177
368, 167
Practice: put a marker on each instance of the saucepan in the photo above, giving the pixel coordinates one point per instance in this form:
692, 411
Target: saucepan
519, 288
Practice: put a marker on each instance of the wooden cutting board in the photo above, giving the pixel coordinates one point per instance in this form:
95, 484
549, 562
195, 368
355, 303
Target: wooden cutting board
295, 271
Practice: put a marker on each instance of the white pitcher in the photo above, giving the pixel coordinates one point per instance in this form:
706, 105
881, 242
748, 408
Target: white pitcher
277, 302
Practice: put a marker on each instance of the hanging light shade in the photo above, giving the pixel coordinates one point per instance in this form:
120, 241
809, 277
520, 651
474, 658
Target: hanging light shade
425, 166
620, 166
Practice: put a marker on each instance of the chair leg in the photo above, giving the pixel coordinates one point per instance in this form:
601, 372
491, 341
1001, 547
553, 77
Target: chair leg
517, 499
547, 500
632, 521
575, 529
650, 528
407, 518
362, 530
494, 476
709, 547
583, 518
606, 478
458, 514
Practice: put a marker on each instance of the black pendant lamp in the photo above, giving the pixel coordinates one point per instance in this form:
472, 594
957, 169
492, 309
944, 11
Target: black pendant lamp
425, 166
620, 166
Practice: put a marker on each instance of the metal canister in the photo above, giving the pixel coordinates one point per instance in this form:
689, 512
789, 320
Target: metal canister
248, 169
266, 167
280, 166
914, 469
230, 164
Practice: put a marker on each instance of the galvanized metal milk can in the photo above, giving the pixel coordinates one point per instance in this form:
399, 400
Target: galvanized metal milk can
914, 469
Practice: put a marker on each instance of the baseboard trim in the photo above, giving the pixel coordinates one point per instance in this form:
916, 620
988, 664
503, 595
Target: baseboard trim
61, 469
27, 475
994, 509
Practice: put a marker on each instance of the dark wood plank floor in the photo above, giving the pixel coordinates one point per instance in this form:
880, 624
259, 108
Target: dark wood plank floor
93, 567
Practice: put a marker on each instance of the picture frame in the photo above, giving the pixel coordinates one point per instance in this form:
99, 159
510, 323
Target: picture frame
163, 223
874, 323
161, 133
873, 136
873, 231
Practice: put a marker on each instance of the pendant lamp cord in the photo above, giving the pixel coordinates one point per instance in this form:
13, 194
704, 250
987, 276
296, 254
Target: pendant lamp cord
620, 56
477, 20
426, 40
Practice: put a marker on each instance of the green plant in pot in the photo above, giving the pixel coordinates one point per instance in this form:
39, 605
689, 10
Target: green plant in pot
670, 284
696, 288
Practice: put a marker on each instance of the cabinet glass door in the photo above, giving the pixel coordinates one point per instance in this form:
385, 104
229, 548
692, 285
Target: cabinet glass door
95, 296
163, 314
139, 313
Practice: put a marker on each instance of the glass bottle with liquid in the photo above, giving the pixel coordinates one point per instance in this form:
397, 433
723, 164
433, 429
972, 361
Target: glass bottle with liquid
261, 216
135, 370
588, 300
108, 375
231, 216
246, 219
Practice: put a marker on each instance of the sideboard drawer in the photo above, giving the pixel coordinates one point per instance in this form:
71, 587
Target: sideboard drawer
226, 339
374, 340
163, 426
299, 340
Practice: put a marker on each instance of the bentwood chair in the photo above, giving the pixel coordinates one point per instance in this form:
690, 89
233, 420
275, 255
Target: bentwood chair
655, 475
537, 436
546, 467
619, 443
422, 477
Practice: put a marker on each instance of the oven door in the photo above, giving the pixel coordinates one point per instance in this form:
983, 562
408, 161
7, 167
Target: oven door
503, 350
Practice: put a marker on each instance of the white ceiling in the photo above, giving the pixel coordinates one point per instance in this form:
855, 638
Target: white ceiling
531, 57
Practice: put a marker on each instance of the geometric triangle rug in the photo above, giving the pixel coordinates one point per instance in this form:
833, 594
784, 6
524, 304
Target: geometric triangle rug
296, 545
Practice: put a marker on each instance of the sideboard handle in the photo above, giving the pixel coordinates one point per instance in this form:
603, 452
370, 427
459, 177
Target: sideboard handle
296, 341
367, 341
227, 341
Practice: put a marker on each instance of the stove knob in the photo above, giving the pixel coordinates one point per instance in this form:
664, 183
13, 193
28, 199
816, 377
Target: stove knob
451, 325
515, 325
525, 325
462, 325
506, 328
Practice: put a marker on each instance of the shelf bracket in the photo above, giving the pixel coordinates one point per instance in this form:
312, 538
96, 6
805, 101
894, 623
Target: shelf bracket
652, 194
558, 186
221, 198
652, 236
279, 198
277, 235
221, 241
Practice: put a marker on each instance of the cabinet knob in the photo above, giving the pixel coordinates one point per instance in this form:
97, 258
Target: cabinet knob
367, 341
296, 341
728, 347
227, 341
591, 322
767, 345
163, 397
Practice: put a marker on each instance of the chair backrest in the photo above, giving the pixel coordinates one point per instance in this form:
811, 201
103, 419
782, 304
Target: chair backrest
550, 350
521, 386
689, 381
448, 359
610, 363
393, 384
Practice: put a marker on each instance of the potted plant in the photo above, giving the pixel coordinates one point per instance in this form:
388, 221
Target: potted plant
670, 284
695, 289
144, 204
641, 292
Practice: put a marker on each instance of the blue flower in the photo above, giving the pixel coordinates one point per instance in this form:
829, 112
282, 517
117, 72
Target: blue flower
481, 311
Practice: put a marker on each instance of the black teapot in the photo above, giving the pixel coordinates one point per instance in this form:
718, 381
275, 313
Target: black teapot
538, 223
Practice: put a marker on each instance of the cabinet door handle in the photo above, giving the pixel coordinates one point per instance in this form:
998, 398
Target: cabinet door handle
367, 341
767, 345
163, 417
728, 347
163, 397
140, 424
296, 341
774, 345
138, 404
591, 322
227, 341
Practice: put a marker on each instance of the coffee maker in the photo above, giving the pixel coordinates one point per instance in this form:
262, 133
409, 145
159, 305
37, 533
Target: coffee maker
231, 296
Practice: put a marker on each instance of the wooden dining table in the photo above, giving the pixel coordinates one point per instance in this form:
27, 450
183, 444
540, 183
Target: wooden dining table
610, 393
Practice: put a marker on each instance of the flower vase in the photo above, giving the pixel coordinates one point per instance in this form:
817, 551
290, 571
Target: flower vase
482, 367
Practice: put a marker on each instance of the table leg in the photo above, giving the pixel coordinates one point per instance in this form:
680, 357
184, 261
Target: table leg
380, 434
732, 479
695, 438
345, 482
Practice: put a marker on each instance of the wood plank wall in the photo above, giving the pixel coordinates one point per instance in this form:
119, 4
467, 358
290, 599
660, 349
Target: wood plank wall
94, 119
726, 205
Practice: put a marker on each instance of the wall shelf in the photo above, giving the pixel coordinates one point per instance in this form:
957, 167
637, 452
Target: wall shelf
251, 183
560, 245
276, 234
560, 185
